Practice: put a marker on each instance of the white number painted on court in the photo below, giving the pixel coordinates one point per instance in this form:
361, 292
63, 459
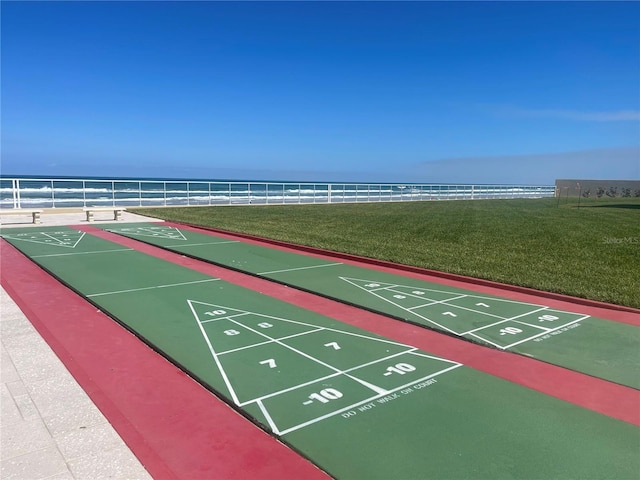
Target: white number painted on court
215, 313
482, 305
372, 285
399, 368
418, 292
265, 325
333, 344
231, 332
269, 361
399, 296
510, 331
548, 318
451, 314
324, 396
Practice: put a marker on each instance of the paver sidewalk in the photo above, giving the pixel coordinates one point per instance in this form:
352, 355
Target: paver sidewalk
49, 427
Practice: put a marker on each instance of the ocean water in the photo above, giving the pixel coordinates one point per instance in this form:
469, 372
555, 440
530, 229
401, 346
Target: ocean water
29, 192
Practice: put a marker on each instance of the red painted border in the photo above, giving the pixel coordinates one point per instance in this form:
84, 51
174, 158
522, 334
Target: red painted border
608, 398
176, 428
614, 312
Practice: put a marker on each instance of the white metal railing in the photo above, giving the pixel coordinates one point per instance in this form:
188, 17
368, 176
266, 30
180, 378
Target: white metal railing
73, 192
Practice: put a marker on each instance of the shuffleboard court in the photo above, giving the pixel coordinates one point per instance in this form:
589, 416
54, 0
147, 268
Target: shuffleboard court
356, 404
595, 346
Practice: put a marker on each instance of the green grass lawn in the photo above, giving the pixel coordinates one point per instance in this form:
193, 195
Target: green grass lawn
592, 251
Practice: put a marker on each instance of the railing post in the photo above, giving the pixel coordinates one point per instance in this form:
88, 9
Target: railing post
15, 187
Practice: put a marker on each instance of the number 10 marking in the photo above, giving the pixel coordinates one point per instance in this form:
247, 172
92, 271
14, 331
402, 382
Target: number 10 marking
510, 331
325, 396
399, 368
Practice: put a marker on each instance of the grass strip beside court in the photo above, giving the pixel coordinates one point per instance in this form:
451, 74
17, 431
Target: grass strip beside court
595, 346
357, 404
548, 244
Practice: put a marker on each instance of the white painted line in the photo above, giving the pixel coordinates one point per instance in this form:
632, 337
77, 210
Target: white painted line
151, 288
154, 232
200, 244
405, 309
446, 302
544, 333
505, 320
418, 353
270, 421
228, 317
215, 357
539, 327
82, 253
531, 337
310, 357
486, 314
436, 302
337, 374
34, 239
375, 388
300, 268
529, 313
297, 322
503, 300
471, 332
289, 389
355, 405
382, 340
391, 286
380, 392
269, 341
329, 415
72, 246
490, 342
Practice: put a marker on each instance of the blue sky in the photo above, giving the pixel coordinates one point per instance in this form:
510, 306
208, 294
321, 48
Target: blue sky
480, 92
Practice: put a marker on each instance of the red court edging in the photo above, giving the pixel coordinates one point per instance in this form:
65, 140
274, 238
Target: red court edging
615, 312
605, 397
176, 428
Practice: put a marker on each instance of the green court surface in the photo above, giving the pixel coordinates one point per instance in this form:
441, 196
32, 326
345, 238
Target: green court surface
598, 347
356, 404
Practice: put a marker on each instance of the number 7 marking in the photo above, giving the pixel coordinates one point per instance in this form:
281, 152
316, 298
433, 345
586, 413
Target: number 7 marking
270, 361
333, 344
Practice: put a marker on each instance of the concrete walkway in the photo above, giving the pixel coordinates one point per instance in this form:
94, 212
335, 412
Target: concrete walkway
49, 427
